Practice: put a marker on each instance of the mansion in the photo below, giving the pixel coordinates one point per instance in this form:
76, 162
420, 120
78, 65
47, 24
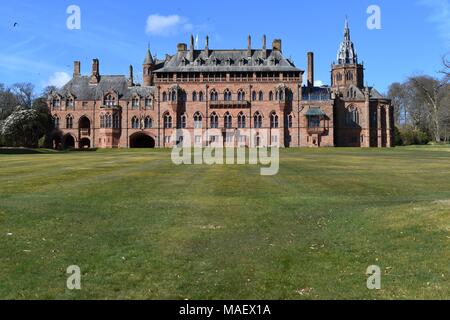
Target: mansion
227, 90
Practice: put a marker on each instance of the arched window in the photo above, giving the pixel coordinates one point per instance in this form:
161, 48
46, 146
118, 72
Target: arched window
257, 119
214, 96
270, 96
167, 121
148, 122
55, 103
280, 95
290, 121
116, 121
227, 95
69, 122
135, 123
108, 121
201, 96
102, 121
214, 121
56, 122
261, 96
254, 96
70, 103
164, 96
148, 102
352, 117
173, 95
183, 121
241, 95
110, 100
135, 102
228, 121
194, 96
273, 120
198, 120
241, 120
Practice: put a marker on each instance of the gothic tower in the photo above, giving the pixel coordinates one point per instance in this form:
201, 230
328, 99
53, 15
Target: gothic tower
148, 68
347, 70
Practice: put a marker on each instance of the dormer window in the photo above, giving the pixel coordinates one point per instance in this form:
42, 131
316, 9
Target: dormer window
259, 61
70, 103
274, 61
186, 61
110, 100
230, 61
243, 62
56, 103
148, 102
216, 61
200, 62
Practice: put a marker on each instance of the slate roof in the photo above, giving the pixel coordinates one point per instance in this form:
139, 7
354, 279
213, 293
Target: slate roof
82, 90
228, 61
316, 93
314, 112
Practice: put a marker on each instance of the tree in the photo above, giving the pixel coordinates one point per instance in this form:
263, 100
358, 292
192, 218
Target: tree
23, 128
432, 94
24, 93
8, 102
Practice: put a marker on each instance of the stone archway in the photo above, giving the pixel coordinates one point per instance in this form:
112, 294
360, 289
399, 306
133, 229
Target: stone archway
85, 143
57, 142
141, 140
69, 142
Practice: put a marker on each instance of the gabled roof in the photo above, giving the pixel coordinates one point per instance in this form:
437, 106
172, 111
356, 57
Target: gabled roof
228, 61
80, 88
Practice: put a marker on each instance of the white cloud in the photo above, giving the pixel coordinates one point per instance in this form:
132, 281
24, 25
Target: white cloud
167, 25
318, 83
440, 16
58, 79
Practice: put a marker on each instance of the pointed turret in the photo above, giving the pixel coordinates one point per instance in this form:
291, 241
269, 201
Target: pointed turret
148, 67
347, 53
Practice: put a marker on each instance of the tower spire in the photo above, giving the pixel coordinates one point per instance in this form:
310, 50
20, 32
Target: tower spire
347, 53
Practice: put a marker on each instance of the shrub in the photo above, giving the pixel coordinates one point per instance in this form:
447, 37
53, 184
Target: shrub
408, 136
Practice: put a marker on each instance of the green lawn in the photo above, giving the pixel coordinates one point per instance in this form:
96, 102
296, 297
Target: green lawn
141, 228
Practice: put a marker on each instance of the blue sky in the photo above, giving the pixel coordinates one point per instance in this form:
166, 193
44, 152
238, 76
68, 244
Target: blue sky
41, 49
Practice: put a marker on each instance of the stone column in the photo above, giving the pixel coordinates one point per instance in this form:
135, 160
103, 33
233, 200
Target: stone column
379, 131
388, 127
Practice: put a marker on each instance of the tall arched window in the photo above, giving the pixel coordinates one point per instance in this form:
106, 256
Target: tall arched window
69, 122
228, 121
214, 121
241, 121
198, 120
164, 96
214, 96
257, 119
270, 96
254, 96
241, 95
108, 121
148, 102
173, 95
352, 117
227, 95
116, 121
135, 102
148, 122
56, 122
290, 121
135, 123
273, 120
183, 121
167, 121
261, 96
102, 121
194, 96
201, 96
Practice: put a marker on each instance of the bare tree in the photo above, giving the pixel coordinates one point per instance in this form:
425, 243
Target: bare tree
431, 94
24, 93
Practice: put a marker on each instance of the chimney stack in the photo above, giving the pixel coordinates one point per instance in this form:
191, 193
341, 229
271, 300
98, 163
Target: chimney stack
310, 70
207, 46
264, 47
95, 78
131, 78
181, 47
191, 49
249, 50
76, 69
276, 45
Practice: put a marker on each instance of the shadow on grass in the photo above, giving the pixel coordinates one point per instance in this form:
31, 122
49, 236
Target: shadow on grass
26, 151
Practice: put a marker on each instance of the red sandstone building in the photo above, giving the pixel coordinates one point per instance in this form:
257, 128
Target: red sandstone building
227, 90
